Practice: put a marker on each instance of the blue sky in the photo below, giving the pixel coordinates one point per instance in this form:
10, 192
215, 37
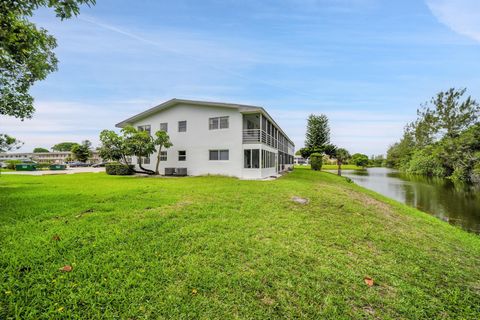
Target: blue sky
367, 64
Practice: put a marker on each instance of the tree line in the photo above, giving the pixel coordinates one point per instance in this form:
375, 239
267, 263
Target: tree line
317, 145
444, 140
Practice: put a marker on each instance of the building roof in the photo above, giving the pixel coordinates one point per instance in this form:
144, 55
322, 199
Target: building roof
173, 102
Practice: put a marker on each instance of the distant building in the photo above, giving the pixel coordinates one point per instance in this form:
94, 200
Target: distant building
45, 157
299, 160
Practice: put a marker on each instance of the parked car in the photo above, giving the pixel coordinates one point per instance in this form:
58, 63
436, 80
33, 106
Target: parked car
98, 165
77, 164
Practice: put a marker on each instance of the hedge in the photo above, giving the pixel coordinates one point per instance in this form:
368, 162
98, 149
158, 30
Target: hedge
316, 161
119, 169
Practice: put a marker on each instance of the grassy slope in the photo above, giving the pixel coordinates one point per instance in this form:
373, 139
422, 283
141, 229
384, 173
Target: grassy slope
215, 247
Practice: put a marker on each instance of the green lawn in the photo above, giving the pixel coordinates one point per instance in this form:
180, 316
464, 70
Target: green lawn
344, 167
221, 248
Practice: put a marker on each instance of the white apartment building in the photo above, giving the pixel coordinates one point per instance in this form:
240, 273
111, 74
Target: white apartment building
217, 138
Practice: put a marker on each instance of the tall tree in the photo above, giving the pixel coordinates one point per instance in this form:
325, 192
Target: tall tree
448, 113
82, 151
38, 150
161, 140
64, 146
318, 132
26, 53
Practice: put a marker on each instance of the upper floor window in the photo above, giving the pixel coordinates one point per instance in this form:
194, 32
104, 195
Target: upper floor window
182, 126
182, 155
164, 126
145, 128
218, 123
163, 155
219, 155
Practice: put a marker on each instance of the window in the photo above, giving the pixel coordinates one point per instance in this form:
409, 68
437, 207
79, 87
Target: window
163, 155
218, 123
268, 159
182, 126
182, 155
247, 158
164, 126
251, 158
219, 155
144, 160
145, 128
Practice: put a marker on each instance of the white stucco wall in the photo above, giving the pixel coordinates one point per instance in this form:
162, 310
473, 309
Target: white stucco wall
198, 139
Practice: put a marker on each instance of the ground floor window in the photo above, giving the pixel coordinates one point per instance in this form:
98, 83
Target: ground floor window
144, 160
251, 158
182, 155
268, 159
163, 155
218, 154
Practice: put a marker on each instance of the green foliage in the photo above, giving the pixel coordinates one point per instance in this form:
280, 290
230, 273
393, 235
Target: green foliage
221, 248
113, 146
82, 152
425, 162
316, 161
119, 169
444, 141
26, 53
64, 146
12, 163
318, 132
161, 140
8, 143
360, 160
39, 150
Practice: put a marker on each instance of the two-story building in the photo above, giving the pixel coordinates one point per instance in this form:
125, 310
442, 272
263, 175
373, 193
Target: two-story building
217, 138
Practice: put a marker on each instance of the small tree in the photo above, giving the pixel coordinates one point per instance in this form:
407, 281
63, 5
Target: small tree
161, 140
341, 155
38, 150
82, 152
316, 161
360, 160
138, 143
113, 147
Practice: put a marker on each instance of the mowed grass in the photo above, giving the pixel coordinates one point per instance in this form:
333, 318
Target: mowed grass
221, 248
344, 167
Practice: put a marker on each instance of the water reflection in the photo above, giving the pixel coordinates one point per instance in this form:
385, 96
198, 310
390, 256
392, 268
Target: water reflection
455, 203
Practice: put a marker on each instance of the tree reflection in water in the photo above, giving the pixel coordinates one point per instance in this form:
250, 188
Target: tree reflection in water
459, 204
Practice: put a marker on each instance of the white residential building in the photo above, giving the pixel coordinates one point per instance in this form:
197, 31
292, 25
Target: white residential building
217, 138
45, 157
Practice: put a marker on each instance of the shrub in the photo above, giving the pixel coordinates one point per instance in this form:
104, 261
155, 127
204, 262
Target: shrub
12, 163
316, 161
118, 169
425, 162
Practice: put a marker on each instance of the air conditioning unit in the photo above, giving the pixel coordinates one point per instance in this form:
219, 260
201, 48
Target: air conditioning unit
169, 171
181, 172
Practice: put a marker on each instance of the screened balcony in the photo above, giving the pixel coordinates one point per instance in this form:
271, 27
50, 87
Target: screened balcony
258, 129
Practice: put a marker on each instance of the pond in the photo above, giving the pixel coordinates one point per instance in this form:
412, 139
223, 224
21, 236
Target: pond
457, 204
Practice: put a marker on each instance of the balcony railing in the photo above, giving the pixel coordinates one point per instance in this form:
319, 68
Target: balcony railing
260, 136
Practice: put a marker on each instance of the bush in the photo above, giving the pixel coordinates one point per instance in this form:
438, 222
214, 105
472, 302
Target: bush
316, 161
12, 163
119, 169
425, 162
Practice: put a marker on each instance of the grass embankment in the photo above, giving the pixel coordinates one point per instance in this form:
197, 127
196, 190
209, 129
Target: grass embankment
219, 248
344, 167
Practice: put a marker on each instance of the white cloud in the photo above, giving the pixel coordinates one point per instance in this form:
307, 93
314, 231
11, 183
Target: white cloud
462, 16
